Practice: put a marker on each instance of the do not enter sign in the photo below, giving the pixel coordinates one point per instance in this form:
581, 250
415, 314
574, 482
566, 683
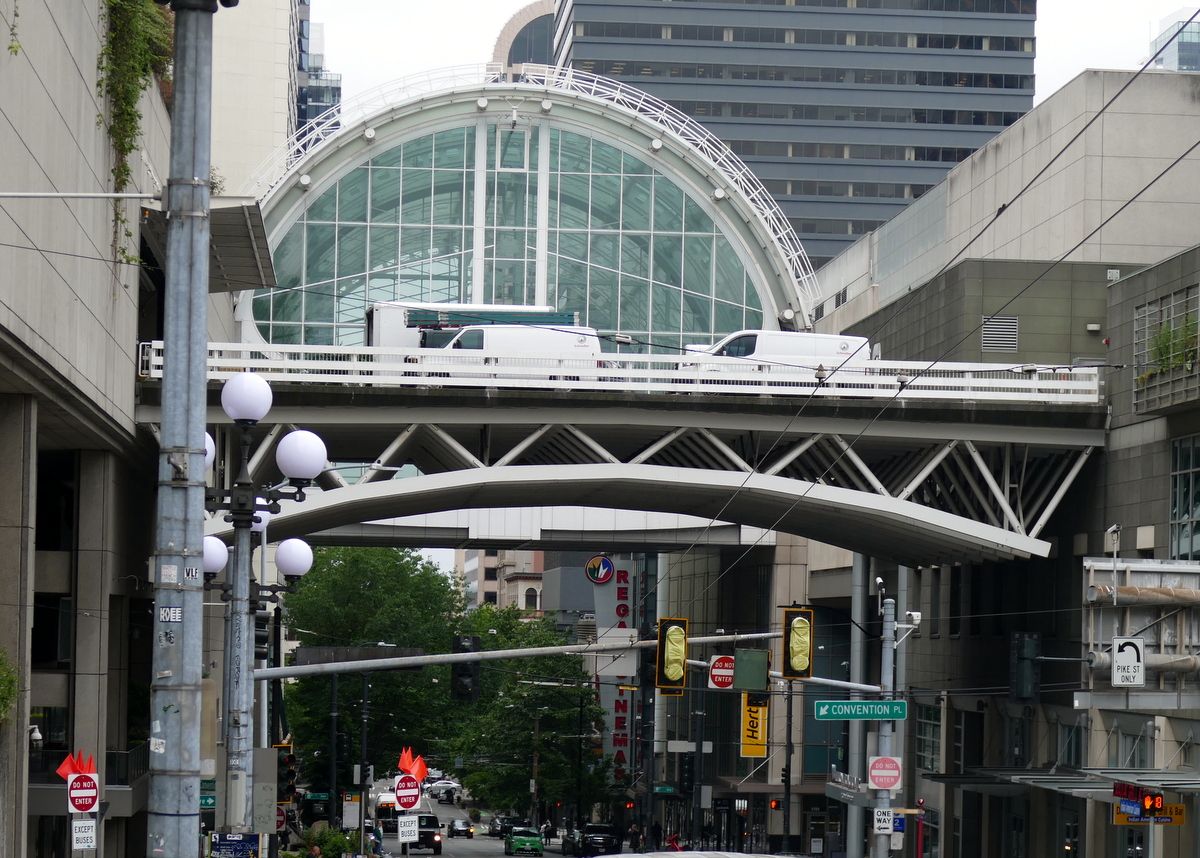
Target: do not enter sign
83, 793
408, 791
883, 773
720, 672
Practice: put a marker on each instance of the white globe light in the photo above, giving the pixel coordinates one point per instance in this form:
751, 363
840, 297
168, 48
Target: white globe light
263, 517
210, 451
246, 396
216, 555
293, 557
301, 455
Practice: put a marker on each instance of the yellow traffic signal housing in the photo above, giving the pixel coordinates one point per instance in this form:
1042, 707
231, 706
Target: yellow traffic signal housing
797, 643
670, 669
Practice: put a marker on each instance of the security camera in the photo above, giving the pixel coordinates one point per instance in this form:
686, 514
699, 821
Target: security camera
878, 582
913, 617
1114, 529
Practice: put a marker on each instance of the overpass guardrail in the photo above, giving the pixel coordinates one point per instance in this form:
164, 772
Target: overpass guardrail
687, 373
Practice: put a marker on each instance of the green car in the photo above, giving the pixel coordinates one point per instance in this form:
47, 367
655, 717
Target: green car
522, 841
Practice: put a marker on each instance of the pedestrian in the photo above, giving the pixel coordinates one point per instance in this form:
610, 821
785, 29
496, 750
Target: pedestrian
547, 831
378, 838
634, 838
656, 833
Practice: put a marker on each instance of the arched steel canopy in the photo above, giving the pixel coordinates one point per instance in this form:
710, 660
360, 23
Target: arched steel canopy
879, 526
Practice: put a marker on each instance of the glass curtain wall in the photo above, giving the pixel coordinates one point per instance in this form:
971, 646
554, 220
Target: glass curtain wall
624, 246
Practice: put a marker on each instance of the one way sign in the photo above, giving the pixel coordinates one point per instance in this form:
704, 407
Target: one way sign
1129, 662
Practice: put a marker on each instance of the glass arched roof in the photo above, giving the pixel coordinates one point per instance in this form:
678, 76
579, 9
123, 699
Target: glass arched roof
480, 214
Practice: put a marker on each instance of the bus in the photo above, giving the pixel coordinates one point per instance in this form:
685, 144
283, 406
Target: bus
386, 811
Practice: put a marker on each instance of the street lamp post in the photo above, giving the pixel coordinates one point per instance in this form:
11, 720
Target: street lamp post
300, 455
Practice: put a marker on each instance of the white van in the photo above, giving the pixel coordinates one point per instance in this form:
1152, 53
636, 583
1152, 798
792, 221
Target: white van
527, 338
787, 348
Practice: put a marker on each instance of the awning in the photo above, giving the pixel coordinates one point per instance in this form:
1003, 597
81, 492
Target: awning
1095, 784
239, 258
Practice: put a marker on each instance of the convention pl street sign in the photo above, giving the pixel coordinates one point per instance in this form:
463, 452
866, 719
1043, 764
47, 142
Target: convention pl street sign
861, 710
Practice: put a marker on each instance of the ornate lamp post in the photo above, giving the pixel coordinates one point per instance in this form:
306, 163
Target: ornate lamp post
301, 456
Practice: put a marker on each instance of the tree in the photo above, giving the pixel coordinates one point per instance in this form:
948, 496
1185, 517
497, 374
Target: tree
366, 596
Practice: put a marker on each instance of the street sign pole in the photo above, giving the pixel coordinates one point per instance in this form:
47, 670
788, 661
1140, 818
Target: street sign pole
787, 775
883, 797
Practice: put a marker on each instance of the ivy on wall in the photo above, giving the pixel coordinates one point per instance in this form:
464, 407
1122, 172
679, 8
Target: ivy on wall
139, 50
9, 686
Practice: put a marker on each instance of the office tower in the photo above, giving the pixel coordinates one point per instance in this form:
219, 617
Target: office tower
847, 110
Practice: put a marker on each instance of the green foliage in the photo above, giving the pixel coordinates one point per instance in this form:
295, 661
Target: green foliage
140, 45
10, 686
495, 737
1172, 346
363, 596
14, 45
332, 842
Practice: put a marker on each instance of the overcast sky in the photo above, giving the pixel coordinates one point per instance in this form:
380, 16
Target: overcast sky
372, 42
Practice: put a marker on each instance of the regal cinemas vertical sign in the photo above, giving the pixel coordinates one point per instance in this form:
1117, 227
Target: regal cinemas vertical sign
615, 602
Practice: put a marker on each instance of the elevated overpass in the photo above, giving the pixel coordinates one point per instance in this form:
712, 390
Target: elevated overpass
920, 464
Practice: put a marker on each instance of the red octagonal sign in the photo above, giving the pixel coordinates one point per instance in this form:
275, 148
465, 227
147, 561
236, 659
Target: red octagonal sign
720, 672
83, 793
883, 773
408, 791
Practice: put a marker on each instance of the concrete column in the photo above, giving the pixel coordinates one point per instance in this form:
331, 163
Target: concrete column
102, 507
18, 471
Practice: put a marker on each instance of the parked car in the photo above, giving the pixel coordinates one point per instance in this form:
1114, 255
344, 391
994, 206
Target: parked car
447, 796
429, 833
595, 838
523, 841
460, 828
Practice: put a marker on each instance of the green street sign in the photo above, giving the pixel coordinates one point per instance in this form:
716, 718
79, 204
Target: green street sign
317, 796
664, 789
208, 802
861, 710
208, 785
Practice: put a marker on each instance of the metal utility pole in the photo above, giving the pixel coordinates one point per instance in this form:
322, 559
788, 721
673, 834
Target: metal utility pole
789, 750
173, 827
698, 770
333, 750
883, 797
365, 795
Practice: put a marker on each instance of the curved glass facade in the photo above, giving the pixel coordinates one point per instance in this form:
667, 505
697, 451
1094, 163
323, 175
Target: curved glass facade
489, 213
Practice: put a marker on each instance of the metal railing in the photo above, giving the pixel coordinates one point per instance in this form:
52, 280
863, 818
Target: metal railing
689, 373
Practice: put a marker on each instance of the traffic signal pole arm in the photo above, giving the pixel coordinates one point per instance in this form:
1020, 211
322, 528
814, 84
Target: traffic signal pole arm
811, 680
401, 662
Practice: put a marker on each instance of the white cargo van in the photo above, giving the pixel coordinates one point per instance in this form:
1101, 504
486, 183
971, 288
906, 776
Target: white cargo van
527, 338
788, 348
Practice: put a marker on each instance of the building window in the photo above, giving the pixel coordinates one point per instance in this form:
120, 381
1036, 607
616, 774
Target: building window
1164, 331
1185, 498
489, 573
1070, 745
956, 600
491, 552
932, 844
50, 645
929, 737
935, 600
490, 598
531, 599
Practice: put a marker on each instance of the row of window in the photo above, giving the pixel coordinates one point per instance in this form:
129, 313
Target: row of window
986, 7
804, 74
833, 226
843, 113
867, 190
852, 151
792, 36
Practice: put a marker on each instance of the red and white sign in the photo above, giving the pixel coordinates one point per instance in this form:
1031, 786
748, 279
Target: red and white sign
280, 818
883, 773
83, 793
720, 672
408, 791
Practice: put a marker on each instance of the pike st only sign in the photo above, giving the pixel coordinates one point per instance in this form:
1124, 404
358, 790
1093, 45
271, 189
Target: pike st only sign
1129, 662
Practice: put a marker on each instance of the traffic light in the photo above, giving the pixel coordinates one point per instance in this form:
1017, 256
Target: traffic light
687, 773
262, 634
670, 667
797, 643
1025, 669
1152, 804
285, 774
776, 804
464, 677
785, 776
